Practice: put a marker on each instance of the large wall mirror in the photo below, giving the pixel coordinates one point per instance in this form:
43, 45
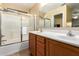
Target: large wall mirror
62, 17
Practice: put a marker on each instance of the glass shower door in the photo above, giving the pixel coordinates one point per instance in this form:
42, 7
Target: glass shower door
10, 28
27, 25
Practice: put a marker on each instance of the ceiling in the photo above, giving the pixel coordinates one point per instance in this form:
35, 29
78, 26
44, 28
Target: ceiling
47, 6
19, 6
50, 6
26, 6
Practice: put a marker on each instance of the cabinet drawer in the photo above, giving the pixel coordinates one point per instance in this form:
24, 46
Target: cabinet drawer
31, 36
40, 44
40, 39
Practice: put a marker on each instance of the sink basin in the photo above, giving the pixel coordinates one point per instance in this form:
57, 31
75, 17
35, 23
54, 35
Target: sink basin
69, 37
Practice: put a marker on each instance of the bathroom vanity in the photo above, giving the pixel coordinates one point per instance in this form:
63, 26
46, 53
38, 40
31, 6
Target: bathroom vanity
52, 44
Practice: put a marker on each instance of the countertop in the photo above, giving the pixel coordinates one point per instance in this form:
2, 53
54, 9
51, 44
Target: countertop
74, 40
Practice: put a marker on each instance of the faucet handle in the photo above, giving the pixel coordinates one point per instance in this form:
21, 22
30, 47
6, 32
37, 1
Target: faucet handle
70, 33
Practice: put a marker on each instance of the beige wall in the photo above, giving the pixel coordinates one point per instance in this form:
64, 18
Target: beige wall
69, 16
62, 9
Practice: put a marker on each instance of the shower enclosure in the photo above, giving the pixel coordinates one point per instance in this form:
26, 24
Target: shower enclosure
14, 27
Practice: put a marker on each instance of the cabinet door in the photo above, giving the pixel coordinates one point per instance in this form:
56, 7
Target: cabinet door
54, 48
32, 43
40, 46
49, 48
60, 51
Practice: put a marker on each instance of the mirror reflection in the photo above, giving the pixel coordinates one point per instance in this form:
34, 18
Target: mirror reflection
66, 15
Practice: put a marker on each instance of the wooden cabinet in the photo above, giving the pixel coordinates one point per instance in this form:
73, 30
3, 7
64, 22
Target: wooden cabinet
49, 48
41, 46
55, 48
37, 45
32, 43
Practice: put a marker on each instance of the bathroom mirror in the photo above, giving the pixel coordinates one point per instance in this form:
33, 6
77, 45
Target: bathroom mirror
58, 20
66, 15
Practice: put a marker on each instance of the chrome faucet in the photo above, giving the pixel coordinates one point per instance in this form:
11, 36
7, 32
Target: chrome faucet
70, 33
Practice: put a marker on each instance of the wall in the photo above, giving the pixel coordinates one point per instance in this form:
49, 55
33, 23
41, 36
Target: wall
69, 16
62, 9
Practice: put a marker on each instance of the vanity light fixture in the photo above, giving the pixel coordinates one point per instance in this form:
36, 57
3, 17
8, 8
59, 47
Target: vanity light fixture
75, 17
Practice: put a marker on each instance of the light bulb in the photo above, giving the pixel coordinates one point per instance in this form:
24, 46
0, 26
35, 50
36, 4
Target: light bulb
75, 17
